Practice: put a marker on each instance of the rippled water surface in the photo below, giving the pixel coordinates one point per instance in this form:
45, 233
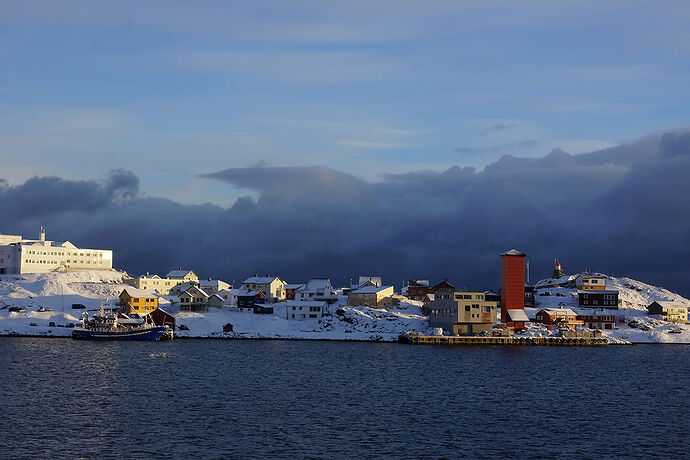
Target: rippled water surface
273, 399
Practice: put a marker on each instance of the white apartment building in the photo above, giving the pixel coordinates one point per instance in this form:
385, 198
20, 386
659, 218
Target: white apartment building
19, 255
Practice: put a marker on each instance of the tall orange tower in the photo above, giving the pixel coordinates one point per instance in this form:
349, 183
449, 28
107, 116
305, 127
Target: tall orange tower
512, 283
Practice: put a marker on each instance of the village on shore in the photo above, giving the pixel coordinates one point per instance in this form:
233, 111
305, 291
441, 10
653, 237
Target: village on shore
584, 305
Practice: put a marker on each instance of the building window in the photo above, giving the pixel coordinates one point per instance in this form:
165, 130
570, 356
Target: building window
467, 308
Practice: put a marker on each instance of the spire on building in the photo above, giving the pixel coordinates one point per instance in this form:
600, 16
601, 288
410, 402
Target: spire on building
557, 270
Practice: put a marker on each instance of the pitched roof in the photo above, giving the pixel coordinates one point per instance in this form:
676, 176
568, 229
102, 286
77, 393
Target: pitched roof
371, 289
515, 314
193, 288
513, 252
134, 292
293, 286
558, 311
443, 284
318, 283
179, 273
261, 279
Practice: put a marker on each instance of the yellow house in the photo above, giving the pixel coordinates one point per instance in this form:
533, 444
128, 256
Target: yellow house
139, 301
591, 282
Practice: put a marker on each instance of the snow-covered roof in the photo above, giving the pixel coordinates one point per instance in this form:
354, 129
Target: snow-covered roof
669, 304
246, 293
314, 284
371, 289
558, 311
596, 291
293, 286
374, 279
517, 315
134, 292
214, 283
191, 289
152, 277
261, 279
513, 252
179, 273
303, 303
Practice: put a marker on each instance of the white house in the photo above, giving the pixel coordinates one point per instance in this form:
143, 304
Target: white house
299, 310
229, 296
19, 255
272, 286
319, 289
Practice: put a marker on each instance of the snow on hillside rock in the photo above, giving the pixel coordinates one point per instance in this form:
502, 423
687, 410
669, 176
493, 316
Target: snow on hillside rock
341, 323
632, 294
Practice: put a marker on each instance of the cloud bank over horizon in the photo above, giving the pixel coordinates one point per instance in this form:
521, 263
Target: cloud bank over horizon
621, 210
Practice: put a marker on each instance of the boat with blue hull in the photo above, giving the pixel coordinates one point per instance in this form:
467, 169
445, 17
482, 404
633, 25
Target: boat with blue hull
108, 326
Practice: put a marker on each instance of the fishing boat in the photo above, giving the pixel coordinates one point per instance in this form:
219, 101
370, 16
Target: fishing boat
110, 326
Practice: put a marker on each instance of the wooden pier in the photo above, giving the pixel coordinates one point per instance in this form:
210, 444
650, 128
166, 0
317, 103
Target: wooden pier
511, 341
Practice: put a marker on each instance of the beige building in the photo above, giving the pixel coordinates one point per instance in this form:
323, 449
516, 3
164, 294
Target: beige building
669, 311
272, 286
154, 283
164, 286
371, 296
468, 312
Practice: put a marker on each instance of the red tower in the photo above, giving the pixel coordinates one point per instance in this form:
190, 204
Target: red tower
512, 286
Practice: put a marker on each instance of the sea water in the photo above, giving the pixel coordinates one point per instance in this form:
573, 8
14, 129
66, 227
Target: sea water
313, 399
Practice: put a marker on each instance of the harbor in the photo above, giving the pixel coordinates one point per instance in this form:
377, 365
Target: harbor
508, 341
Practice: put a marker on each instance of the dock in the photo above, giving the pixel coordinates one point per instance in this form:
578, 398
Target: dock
508, 341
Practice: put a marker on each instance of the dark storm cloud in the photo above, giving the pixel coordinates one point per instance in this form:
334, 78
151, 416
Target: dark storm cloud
622, 210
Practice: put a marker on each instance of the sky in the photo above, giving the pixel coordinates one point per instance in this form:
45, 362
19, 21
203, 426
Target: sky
304, 136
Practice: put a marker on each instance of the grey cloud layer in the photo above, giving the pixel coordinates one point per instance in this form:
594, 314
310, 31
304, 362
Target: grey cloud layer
622, 210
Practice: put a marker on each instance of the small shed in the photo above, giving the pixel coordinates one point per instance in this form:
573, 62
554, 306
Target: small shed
227, 328
161, 317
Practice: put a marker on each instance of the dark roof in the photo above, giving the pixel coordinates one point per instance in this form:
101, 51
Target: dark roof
443, 284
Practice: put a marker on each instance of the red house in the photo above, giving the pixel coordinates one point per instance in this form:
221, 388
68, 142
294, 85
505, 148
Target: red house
598, 320
513, 289
559, 317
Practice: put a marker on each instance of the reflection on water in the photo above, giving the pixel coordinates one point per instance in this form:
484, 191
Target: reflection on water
263, 399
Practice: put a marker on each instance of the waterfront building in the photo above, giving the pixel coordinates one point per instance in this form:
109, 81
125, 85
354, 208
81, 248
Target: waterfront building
466, 313
271, 286
562, 317
140, 301
669, 311
305, 309
513, 289
154, 283
19, 255
598, 320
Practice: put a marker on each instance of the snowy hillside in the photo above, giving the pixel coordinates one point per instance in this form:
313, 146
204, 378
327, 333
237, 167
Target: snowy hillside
634, 297
57, 292
47, 302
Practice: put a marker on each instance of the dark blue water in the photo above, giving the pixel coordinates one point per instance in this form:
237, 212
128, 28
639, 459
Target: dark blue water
276, 399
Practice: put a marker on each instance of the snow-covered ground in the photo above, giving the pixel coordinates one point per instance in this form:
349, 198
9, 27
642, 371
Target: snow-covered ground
634, 297
57, 292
